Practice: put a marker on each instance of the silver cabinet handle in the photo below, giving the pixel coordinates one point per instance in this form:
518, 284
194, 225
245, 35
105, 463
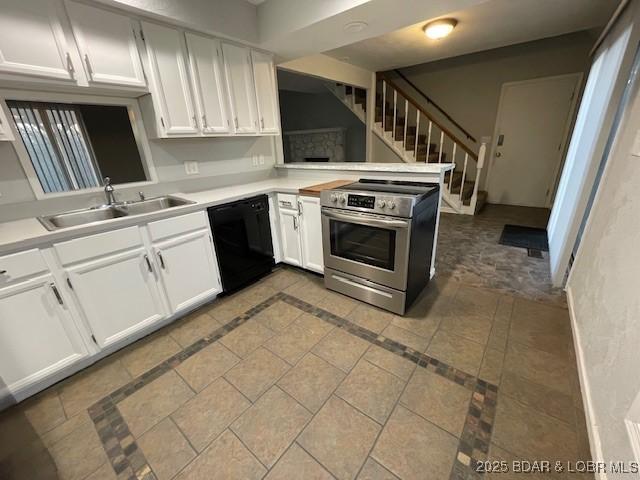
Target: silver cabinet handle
295, 223
56, 293
149, 267
299, 207
3, 272
285, 203
262, 123
161, 260
195, 122
204, 121
88, 63
236, 122
364, 219
70, 67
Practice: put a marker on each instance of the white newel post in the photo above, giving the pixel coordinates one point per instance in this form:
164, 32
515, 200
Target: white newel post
479, 165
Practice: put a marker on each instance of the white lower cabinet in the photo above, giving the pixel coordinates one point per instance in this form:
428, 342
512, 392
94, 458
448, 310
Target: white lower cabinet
37, 335
301, 231
290, 237
118, 294
188, 269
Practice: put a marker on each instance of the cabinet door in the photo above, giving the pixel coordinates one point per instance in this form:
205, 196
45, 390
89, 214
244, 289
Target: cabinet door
240, 86
207, 75
266, 92
37, 336
169, 80
32, 40
290, 237
311, 234
107, 45
188, 269
118, 294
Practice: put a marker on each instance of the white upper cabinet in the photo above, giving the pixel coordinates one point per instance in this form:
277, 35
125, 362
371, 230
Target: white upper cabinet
207, 75
169, 81
107, 45
32, 40
237, 62
265, 80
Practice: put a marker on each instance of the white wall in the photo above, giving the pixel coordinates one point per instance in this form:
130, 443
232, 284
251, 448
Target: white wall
329, 68
603, 291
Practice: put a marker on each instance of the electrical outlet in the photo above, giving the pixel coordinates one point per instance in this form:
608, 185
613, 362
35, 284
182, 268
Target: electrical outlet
254, 160
191, 167
261, 159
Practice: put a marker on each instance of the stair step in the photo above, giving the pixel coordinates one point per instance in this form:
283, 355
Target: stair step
422, 146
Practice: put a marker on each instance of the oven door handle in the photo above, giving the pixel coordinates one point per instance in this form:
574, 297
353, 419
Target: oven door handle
373, 221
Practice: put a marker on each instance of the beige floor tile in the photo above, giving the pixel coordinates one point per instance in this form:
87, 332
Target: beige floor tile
371, 390
412, 448
548, 331
44, 411
540, 367
311, 381
247, 337
255, 294
224, 459
153, 402
270, 425
294, 343
278, 316
437, 399
91, 385
61, 431
193, 327
471, 327
456, 351
210, 412
283, 278
147, 353
105, 472
405, 337
475, 301
337, 304
390, 362
542, 398
491, 368
225, 310
526, 432
369, 317
372, 470
313, 323
424, 326
78, 454
166, 449
256, 373
294, 462
207, 365
341, 349
310, 291
497, 454
340, 438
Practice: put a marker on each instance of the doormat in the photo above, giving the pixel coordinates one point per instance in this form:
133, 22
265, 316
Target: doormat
524, 237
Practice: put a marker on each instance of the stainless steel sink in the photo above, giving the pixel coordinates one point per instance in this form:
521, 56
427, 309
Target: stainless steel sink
109, 212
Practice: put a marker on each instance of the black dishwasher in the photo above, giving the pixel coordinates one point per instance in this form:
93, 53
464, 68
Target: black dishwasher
242, 237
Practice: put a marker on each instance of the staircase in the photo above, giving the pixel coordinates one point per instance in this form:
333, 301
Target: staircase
415, 135
353, 97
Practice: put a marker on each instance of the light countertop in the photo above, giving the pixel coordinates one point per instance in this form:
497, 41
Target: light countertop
370, 167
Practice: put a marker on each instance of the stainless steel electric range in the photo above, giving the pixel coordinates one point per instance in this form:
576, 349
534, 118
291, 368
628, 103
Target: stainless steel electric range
377, 237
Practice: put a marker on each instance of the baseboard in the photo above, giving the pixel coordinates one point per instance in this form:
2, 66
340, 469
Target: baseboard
595, 444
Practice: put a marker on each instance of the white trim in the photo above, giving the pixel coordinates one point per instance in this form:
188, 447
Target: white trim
135, 116
567, 129
595, 443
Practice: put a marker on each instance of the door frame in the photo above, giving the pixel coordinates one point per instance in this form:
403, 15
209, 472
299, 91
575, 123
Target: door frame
553, 183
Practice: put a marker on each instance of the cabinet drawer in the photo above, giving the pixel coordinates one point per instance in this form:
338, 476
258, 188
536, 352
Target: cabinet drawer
21, 265
177, 225
287, 200
84, 248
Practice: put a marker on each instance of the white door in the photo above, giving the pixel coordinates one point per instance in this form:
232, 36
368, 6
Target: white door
531, 129
290, 237
188, 269
37, 336
107, 45
169, 80
118, 294
237, 62
32, 40
207, 75
311, 234
266, 92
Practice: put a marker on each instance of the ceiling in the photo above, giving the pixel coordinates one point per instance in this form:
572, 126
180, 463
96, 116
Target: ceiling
487, 25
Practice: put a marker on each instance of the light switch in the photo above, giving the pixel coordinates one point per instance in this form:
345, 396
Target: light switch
191, 167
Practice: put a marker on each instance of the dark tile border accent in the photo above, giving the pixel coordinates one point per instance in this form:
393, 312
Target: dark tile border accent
534, 253
129, 463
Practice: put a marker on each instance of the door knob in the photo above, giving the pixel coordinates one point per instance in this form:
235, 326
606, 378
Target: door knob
498, 154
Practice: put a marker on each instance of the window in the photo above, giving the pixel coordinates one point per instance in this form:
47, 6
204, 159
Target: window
74, 146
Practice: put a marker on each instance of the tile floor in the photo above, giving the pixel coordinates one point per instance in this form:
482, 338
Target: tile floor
286, 380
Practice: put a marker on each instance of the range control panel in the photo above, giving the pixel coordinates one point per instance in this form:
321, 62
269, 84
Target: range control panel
361, 201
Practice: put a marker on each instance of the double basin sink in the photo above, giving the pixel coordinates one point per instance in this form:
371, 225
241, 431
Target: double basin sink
109, 212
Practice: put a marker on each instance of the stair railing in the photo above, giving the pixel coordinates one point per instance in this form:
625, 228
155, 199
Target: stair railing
398, 96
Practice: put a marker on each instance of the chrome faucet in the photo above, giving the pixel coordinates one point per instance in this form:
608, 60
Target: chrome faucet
109, 191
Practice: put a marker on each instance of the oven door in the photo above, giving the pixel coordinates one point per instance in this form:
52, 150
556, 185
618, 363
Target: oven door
375, 247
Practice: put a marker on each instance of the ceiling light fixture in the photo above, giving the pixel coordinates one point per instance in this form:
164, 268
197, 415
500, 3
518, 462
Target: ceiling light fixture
355, 27
440, 28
